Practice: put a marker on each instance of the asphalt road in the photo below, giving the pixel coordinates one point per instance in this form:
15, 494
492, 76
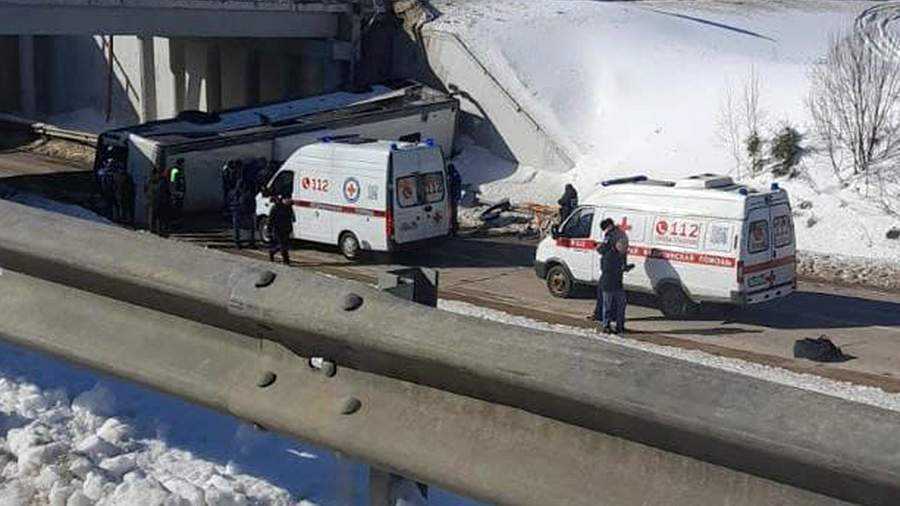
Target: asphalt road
497, 273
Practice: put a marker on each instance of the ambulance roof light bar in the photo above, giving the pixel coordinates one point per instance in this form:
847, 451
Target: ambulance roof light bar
624, 180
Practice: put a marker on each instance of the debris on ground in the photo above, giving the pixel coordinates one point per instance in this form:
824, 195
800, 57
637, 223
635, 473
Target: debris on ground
893, 233
503, 218
820, 349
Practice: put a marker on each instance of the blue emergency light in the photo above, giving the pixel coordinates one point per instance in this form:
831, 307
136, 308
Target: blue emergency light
743, 191
429, 143
393, 147
327, 138
775, 187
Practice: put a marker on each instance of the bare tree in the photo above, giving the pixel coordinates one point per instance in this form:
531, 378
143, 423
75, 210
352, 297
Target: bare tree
740, 121
854, 105
729, 128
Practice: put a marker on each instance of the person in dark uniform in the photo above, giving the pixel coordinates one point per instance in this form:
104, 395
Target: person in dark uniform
235, 198
611, 298
125, 196
177, 189
248, 210
163, 202
455, 183
567, 203
281, 225
106, 178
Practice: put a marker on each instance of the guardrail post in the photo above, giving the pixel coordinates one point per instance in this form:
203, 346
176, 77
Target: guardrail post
418, 285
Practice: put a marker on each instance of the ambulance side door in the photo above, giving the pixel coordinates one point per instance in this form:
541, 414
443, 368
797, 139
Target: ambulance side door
634, 224
577, 244
315, 213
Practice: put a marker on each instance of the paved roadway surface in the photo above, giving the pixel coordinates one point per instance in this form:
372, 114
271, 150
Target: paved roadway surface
497, 273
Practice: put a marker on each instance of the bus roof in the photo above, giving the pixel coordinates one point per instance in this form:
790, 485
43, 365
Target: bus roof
302, 114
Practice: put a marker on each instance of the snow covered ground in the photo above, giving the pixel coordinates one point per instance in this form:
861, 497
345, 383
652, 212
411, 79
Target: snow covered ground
644, 88
70, 436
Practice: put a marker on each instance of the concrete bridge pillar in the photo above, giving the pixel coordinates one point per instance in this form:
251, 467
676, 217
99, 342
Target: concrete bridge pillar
149, 111
27, 91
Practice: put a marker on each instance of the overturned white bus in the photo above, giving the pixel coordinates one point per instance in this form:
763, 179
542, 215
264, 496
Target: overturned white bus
406, 111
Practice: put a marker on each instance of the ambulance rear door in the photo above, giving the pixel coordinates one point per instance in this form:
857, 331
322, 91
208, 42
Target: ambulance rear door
420, 200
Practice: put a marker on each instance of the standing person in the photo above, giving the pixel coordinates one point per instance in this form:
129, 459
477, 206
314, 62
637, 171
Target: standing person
106, 178
229, 179
567, 203
125, 196
235, 198
455, 183
611, 300
150, 192
281, 225
162, 205
248, 210
177, 189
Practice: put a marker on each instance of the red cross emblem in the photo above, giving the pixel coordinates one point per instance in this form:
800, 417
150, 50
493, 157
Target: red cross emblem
351, 189
624, 224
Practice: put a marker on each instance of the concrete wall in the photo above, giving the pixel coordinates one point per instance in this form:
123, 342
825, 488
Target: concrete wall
9, 73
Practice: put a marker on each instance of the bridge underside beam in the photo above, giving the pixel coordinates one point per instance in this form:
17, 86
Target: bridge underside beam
89, 20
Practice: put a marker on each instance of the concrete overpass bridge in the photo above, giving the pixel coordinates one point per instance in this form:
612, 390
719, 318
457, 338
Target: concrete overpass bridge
176, 18
138, 60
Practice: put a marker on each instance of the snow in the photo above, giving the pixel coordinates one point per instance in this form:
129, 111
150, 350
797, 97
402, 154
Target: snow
640, 88
70, 436
857, 393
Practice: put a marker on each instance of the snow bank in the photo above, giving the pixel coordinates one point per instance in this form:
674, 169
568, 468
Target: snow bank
71, 437
857, 393
640, 88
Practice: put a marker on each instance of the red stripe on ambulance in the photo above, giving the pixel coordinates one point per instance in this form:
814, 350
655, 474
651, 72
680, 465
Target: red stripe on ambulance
750, 269
340, 209
655, 253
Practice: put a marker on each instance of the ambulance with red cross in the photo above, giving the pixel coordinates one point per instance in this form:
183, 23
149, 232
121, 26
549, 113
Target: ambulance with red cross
363, 194
700, 239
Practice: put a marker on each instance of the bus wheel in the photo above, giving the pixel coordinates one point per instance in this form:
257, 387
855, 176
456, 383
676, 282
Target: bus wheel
349, 245
674, 303
262, 226
559, 282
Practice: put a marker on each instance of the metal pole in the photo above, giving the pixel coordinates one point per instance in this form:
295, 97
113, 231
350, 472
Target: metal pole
110, 74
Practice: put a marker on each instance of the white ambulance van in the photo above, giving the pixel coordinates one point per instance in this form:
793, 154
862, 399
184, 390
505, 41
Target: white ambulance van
699, 239
363, 194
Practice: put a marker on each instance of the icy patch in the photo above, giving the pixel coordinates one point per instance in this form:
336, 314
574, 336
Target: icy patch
857, 393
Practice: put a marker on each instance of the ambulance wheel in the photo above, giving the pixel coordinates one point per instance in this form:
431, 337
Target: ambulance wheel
674, 303
560, 282
349, 245
262, 226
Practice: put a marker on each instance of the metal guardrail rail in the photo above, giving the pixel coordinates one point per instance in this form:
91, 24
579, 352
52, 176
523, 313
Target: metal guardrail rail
50, 131
456, 401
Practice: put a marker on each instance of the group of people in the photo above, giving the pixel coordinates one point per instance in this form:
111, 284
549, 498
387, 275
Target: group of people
116, 189
241, 182
165, 196
613, 250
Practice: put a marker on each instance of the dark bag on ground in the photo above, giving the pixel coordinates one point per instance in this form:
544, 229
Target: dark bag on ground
820, 350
